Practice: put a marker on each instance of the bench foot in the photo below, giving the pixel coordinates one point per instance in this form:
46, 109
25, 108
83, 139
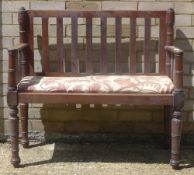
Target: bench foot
16, 163
175, 164
24, 124
25, 145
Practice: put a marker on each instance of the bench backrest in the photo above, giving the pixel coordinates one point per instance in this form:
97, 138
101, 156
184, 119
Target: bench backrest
165, 18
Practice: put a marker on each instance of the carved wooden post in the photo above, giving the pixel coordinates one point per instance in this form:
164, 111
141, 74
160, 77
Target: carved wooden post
23, 24
12, 103
169, 39
176, 123
169, 42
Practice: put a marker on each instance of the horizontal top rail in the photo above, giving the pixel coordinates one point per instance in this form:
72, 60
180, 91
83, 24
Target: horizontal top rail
109, 13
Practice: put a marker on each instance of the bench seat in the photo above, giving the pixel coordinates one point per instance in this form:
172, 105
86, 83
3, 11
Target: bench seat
98, 84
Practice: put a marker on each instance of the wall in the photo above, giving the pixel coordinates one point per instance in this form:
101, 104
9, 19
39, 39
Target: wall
130, 119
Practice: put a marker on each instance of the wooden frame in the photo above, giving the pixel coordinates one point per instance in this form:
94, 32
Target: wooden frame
170, 63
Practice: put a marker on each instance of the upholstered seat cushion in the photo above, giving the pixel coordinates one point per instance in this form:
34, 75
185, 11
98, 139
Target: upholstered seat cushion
98, 84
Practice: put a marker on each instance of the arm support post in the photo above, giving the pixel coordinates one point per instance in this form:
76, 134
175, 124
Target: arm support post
12, 70
15, 75
175, 55
178, 74
176, 123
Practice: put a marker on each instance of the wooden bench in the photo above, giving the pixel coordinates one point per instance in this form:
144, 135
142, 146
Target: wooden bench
27, 86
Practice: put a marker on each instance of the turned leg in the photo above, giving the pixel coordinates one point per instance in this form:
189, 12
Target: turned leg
24, 124
167, 125
15, 159
176, 125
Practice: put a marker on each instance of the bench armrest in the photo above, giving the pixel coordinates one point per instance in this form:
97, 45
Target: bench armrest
175, 56
173, 49
17, 64
18, 47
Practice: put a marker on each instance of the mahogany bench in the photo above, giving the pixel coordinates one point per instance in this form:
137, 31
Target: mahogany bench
164, 87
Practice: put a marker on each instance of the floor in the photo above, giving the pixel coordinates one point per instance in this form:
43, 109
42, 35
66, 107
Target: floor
94, 159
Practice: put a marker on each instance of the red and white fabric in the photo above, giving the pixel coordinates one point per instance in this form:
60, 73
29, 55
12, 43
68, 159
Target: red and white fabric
98, 84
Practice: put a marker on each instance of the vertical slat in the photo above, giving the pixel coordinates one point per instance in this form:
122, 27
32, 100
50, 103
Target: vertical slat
103, 59
170, 65
118, 45
31, 46
147, 33
74, 46
89, 56
132, 49
45, 44
162, 59
60, 49
89, 48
